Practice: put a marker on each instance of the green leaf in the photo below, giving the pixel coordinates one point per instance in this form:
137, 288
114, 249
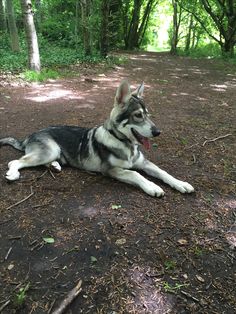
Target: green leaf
114, 206
48, 240
154, 145
93, 259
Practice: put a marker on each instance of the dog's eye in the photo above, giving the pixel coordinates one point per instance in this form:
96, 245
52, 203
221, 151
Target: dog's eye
138, 115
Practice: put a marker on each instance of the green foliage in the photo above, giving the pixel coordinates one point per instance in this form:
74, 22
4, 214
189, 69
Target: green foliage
20, 296
44, 75
173, 288
204, 50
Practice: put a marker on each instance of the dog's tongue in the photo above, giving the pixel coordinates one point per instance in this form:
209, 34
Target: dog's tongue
146, 143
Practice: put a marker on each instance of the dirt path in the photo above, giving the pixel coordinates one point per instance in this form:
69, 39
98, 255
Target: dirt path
134, 253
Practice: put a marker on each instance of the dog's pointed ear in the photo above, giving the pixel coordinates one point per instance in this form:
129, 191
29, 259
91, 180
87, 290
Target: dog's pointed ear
139, 91
122, 92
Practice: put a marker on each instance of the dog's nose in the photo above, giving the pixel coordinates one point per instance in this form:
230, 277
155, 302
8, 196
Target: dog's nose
155, 131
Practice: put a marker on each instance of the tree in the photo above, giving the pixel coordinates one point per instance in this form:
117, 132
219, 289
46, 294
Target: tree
31, 36
15, 45
3, 23
105, 5
85, 17
177, 12
134, 29
222, 15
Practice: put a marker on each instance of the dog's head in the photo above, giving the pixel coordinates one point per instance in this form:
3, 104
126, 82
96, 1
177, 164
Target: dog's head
130, 115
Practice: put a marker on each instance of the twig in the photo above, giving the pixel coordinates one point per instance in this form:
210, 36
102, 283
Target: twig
215, 139
4, 305
69, 298
8, 253
51, 173
24, 199
189, 296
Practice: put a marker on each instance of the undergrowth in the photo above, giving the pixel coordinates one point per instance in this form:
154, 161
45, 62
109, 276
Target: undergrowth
52, 58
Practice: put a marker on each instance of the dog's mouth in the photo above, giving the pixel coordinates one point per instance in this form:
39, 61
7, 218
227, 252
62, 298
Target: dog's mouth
141, 139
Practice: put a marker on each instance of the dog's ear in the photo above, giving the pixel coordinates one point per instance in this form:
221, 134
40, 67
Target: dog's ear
122, 92
139, 91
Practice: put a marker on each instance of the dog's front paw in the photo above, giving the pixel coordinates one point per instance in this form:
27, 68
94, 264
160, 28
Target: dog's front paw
12, 175
184, 187
56, 166
154, 190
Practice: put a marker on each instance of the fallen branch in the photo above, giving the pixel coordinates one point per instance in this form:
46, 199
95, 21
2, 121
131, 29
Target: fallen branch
215, 139
69, 298
24, 199
189, 296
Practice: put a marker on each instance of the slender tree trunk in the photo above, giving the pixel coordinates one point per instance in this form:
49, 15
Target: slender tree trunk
86, 13
12, 26
189, 35
31, 36
76, 24
133, 29
174, 39
104, 27
145, 18
3, 22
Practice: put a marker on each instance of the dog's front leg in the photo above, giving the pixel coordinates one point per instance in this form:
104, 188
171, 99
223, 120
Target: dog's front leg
134, 178
152, 170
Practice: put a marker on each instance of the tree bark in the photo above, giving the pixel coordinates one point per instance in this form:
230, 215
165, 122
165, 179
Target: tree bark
31, 36
85, 14
189, 35
104, 27
15, 45
174, 39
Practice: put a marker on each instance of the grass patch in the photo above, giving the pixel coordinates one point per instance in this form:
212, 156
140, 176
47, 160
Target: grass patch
44, 75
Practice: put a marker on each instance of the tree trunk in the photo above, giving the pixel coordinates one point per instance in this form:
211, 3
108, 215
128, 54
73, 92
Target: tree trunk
76, 24
31, 36
85, 14
189, 35
12, 26
227, 49
133, 28
174, 40
104, 27
3, 22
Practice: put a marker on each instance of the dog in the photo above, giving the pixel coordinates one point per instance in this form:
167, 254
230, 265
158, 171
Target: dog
112, 148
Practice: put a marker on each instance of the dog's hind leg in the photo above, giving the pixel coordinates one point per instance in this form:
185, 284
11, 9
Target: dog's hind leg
36, 155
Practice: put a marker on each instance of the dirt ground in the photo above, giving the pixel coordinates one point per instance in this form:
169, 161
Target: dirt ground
133, 253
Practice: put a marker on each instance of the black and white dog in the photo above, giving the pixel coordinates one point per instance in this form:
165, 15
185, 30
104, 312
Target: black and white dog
112, 148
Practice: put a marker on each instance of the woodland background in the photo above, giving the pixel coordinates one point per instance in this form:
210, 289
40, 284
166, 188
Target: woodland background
54, 33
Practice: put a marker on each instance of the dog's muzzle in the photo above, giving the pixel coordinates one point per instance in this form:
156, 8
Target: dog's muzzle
155, 131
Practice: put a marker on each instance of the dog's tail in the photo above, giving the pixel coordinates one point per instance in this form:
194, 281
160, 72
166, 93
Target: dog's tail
12, 142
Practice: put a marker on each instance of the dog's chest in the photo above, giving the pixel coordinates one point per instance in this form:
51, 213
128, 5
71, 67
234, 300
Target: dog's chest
131, 157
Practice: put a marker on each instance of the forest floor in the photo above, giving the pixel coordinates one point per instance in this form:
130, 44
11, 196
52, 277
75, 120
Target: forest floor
133, 253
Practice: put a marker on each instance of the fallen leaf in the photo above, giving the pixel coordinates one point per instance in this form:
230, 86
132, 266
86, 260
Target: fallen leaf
199, 278
182, 241
48, 240
120, 241
10, 266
